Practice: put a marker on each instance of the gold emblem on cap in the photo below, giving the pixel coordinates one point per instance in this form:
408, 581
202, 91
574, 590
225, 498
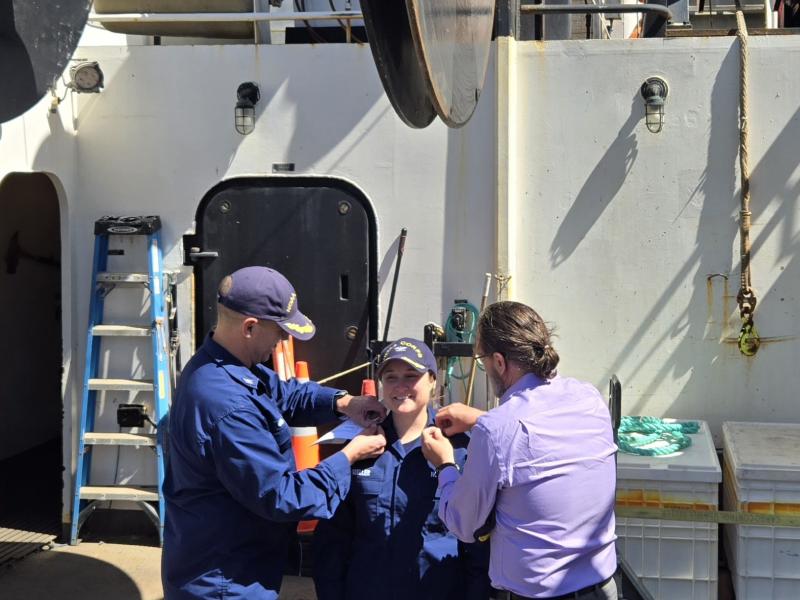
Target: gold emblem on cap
413, 363
291, 302
307, 328
413, 347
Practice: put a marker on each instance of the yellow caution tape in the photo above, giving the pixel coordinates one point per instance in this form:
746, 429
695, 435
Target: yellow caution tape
708, 516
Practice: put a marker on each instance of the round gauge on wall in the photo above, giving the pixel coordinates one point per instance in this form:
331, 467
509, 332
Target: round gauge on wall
86, 77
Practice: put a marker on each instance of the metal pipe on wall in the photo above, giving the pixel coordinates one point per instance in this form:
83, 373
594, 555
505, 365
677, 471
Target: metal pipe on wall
505, 161
657, 29
223, 17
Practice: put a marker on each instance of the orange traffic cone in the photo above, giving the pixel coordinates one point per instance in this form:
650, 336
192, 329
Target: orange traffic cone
283, 359
279, 362
306, 451
301, 371
368, 387
288, 358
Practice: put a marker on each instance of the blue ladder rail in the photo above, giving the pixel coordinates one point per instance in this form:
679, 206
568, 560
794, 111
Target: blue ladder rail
86, 495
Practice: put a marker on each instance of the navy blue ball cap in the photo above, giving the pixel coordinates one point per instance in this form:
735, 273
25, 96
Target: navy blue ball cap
411, 351
264, 293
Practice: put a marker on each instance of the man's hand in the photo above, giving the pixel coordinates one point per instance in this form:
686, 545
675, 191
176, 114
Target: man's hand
368, 444
364, 410
457, 418
436, 448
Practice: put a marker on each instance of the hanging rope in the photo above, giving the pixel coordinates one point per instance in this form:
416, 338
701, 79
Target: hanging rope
748, 335
651, 436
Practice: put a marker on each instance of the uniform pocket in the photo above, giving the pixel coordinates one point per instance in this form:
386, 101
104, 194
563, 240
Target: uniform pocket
368, 483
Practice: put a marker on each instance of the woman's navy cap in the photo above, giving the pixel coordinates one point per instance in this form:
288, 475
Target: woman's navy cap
264, 293
411, 351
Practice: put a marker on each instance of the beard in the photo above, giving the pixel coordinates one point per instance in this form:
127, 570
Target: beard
498, 387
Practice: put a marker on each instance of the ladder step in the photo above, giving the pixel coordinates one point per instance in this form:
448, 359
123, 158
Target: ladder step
119, 492
122, 330
95, 438
130, 385
123, 278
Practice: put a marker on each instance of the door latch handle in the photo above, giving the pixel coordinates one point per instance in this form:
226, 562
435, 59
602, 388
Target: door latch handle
196, 253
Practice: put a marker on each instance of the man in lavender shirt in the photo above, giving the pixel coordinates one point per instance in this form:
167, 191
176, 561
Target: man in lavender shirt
540, 467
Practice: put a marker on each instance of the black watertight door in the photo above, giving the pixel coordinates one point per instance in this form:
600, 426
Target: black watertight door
320, 233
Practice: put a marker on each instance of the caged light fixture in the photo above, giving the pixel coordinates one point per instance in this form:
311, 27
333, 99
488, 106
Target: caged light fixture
247, 96
654, 91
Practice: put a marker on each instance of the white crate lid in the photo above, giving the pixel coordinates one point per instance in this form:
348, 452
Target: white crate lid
698, 462
763, 451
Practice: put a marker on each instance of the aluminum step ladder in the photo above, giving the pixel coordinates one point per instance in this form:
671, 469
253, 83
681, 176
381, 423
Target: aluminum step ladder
87, 495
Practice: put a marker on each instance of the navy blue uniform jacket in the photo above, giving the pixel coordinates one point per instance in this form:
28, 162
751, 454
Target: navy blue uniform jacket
233, 497
386, 539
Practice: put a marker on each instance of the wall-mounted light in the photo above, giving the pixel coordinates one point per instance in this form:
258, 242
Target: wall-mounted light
654, 91
247, 96
85, 77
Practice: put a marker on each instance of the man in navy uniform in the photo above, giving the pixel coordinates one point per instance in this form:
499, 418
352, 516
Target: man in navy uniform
233, 494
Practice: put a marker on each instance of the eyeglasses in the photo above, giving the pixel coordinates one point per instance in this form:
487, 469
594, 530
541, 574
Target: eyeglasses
487, 355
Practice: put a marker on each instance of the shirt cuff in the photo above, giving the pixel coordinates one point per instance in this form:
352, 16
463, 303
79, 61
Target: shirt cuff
339, 394
329, 396
340, 468
448, 476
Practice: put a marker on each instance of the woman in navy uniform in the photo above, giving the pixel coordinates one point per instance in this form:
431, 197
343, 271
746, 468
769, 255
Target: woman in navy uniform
385, 540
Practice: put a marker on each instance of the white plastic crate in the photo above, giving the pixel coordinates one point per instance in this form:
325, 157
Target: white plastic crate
762, 475
674, 559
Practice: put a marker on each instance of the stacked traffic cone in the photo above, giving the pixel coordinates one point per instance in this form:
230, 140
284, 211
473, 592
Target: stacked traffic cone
368, 387
283, 359
306, 452
304, 446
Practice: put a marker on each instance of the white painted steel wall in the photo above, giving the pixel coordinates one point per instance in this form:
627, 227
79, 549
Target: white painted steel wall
161, 135
617, 228
621, 231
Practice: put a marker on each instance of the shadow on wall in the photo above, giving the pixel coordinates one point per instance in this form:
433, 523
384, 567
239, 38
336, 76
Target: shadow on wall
703, 366
597, 192
328, 107
65, 574
713, 252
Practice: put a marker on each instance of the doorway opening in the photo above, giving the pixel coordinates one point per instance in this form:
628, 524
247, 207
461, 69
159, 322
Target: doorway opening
31, 405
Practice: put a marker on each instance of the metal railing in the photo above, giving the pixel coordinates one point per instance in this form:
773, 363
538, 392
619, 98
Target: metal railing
254, 17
